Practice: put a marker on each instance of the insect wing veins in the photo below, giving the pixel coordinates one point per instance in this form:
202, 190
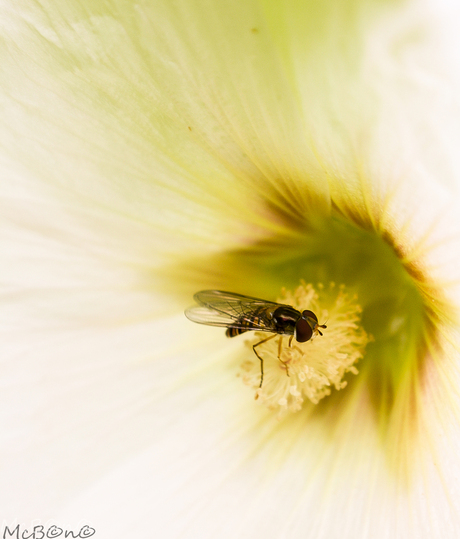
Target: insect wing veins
225, 309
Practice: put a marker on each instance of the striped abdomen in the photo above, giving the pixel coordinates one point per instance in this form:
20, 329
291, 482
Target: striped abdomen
259, 319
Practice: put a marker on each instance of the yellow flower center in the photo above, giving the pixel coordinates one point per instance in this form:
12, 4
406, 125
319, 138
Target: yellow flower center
295, 371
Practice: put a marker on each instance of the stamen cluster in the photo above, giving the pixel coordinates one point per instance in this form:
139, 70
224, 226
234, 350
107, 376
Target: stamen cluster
311, 369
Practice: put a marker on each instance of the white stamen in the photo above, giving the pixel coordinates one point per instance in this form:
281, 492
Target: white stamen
316, 366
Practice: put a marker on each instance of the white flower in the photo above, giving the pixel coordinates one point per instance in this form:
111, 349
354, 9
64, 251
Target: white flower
153, 149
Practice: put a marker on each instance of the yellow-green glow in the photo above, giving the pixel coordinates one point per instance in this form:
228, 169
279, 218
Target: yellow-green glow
335, 250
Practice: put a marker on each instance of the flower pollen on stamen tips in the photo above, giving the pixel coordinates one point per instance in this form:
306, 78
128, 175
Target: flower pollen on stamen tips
309, 370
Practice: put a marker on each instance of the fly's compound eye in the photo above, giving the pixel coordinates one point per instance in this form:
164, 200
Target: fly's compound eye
310, 314
303, 331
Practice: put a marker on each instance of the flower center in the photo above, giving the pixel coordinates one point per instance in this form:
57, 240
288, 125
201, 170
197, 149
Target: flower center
399, 309
295, 371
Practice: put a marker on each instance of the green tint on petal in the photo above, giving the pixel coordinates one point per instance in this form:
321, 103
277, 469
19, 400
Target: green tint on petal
394, 311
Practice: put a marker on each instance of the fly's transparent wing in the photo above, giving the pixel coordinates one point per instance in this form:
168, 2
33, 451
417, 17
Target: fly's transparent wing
209, 317
228, 302
225, 309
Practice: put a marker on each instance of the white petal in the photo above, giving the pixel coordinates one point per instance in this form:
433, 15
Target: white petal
128, 141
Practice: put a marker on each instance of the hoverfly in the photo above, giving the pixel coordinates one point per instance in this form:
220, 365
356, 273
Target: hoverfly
243, 313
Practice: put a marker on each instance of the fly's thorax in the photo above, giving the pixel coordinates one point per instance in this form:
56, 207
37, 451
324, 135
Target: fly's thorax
285, 319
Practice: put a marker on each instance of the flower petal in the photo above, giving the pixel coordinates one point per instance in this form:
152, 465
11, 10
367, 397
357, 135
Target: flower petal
134, 136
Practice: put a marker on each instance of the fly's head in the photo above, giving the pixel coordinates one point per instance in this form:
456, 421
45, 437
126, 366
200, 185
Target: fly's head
307, 326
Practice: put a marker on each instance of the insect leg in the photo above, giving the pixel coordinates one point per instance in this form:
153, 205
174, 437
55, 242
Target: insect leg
261, 360
279, 353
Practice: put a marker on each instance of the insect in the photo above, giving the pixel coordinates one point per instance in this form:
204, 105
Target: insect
243, 313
